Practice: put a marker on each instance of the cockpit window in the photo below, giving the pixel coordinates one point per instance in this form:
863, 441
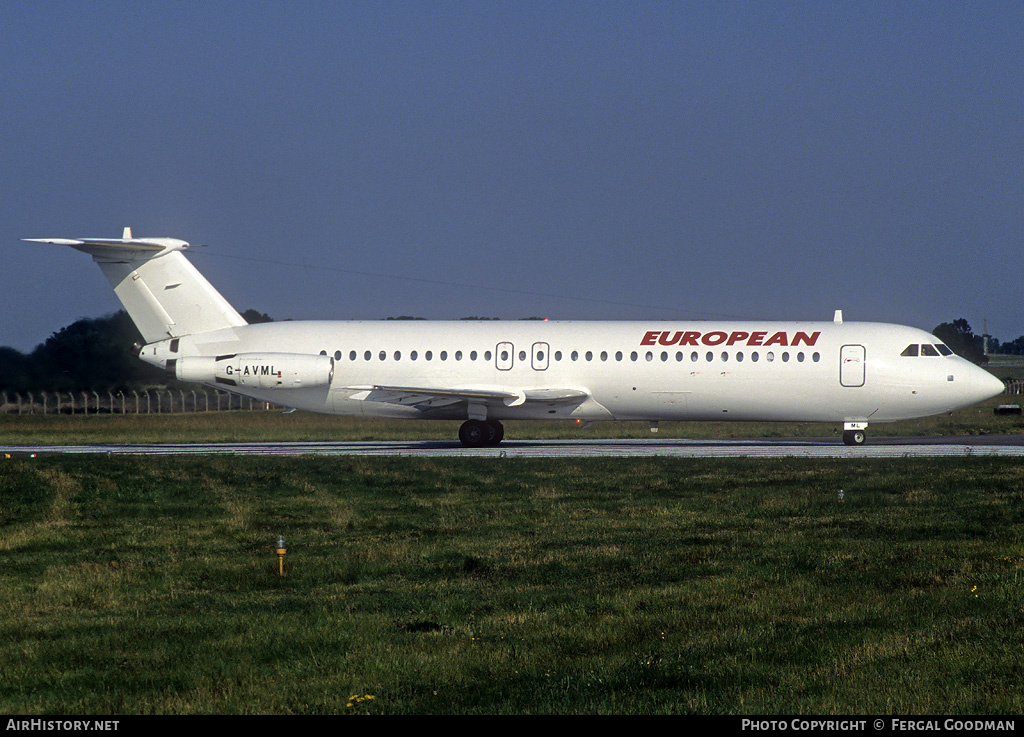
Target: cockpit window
927, 350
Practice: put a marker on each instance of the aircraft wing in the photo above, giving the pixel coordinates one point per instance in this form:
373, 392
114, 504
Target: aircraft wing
427, 398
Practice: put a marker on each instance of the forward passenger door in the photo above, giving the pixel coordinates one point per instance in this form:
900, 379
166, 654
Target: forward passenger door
851, 365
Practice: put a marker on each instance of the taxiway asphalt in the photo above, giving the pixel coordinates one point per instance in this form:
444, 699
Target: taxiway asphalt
906, 447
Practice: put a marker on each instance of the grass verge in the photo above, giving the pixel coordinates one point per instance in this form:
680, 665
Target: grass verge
646, 586
227, 427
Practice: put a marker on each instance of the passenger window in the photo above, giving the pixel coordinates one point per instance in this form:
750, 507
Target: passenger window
351, 355
910, 350
618, 355
458, 355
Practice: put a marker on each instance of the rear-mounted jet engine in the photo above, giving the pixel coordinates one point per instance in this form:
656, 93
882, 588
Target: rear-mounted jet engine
262, 370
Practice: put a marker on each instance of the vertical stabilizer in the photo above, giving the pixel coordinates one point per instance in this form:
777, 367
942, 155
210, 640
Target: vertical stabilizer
164, 294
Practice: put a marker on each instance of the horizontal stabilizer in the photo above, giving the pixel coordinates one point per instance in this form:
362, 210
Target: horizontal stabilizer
118, 249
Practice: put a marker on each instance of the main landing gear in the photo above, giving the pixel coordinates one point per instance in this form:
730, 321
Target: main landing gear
481, 433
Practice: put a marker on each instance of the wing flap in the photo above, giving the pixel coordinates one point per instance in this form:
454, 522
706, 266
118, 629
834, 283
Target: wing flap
429, 397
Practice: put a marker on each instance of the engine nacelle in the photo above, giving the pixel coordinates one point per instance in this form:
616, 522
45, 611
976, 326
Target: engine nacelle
256, 370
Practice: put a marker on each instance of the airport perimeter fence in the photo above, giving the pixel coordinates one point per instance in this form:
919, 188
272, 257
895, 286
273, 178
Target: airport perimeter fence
147, 402
161, 401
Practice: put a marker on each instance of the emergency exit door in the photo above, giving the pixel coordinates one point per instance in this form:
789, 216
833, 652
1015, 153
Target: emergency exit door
539, 358
504, 356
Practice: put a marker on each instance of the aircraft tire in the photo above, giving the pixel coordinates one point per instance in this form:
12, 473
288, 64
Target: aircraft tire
481, 433
854, 437
474, 433
498, 432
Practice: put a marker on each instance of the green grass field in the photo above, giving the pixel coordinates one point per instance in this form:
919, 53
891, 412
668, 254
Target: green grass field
255, 426
136, 585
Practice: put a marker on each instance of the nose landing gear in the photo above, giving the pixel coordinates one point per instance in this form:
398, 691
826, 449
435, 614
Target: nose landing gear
854, 437
853, 433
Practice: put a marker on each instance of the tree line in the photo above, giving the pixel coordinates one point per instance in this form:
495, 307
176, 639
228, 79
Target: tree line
90, 354
94, 354
964, 342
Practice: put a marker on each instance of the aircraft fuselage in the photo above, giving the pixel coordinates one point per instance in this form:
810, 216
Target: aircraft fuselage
816, 371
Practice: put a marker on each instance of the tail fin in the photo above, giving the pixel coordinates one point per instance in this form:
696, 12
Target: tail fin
164, 294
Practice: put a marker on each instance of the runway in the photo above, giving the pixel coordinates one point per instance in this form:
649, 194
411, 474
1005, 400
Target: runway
908, 447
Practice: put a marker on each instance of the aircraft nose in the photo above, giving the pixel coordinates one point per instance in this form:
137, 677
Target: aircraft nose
984, 385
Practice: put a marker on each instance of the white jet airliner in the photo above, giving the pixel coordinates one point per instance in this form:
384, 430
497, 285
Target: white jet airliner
489, 371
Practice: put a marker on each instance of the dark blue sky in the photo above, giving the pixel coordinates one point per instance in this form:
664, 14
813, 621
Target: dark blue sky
575, 160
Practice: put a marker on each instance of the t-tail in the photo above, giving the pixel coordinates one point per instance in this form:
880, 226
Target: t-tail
164, 294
